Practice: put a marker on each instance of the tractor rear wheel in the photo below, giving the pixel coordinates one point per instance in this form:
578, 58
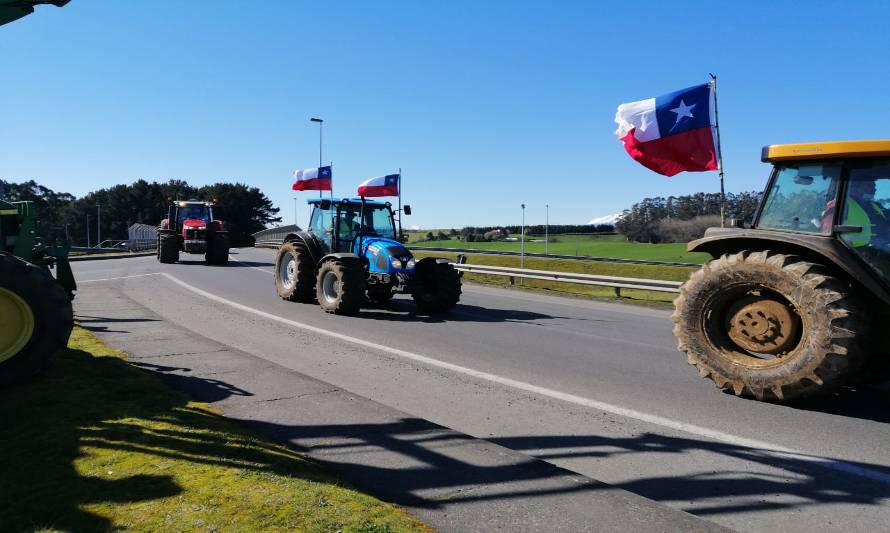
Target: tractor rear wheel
340, 286
438, 286
769, 325
218, 249
294, 273
37, 319
168, 248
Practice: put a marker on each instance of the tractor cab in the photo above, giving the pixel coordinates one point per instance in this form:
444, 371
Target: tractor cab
350, 225
837, 190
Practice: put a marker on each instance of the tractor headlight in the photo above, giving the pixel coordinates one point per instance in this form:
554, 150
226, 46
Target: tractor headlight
409, 264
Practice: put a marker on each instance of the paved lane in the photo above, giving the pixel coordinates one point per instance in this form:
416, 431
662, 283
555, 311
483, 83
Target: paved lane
650, 425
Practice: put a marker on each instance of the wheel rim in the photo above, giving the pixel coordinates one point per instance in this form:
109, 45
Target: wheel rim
287, 271
753, 326
17, 325
330, 287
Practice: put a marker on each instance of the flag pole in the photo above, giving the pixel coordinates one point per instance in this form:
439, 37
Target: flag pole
400, 204
719, 154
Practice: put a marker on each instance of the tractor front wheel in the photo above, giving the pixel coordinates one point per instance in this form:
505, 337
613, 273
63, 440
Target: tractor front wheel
294, 273
769, 325
438, 286
218, 249
340, 286
37, 319
168, 248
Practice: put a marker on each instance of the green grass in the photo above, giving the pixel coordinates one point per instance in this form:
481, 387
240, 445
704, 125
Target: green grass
96, 444
570, 265
614, 246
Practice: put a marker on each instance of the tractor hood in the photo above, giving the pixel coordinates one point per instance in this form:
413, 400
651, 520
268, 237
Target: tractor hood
387, 255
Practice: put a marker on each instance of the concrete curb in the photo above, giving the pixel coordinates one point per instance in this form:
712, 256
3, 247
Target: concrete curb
100, 257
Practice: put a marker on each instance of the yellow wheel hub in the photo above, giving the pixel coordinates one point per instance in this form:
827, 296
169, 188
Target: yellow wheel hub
17, 325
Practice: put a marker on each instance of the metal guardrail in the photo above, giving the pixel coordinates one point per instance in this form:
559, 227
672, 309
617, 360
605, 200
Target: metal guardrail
615, 282
555, 256
274, 235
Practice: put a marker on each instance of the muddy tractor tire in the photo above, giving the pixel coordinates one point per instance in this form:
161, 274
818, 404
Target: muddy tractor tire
37, 319
168, 248
218, 249
380, 293
438, 286
340, 286
294, 273
769, 325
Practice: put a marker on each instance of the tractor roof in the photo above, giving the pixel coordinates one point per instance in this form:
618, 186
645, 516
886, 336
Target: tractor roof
824, 150
353, 201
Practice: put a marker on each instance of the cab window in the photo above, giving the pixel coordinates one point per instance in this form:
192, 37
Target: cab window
867, 206
802, 198
321, 225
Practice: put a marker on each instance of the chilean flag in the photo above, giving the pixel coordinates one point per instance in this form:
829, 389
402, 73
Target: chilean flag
380, 186
670, 133
313, 179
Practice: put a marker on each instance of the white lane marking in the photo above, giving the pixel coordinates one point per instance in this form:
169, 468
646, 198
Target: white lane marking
766, 448
119, 277
248, 266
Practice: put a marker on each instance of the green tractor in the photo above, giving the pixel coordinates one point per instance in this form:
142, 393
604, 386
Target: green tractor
35, 306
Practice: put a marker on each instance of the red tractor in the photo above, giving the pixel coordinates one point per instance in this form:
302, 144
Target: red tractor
189, 227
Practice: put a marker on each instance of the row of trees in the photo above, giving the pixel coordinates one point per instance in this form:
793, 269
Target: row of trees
659, 219
244, 209
483, 233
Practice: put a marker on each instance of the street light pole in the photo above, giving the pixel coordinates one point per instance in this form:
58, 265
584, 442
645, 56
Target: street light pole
547, 229
522, 240
88, 230
99, 225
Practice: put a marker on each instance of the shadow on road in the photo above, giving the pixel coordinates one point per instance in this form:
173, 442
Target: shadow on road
403, 310
868, 402
428, 465
89, 323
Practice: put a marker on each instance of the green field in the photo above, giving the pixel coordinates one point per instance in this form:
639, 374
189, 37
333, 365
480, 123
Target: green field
614, 246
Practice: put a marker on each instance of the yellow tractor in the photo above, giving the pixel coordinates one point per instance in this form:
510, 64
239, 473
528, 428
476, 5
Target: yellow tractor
795, 304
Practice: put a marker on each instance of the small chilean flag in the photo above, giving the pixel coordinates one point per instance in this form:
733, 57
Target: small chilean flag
313, 179
380, 186
670, 133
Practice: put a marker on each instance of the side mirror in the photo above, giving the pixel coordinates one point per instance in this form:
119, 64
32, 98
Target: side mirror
407, 209
324, 205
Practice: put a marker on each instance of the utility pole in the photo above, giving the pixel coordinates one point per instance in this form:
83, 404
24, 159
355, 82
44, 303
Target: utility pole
522, 240
547, 229
99, 225
88, 230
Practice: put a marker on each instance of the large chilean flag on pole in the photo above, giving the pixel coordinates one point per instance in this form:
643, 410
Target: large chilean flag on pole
670, 133
313, 179
380, 186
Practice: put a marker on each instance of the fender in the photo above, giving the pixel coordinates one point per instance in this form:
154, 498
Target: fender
817, 248
342, 256
309, 241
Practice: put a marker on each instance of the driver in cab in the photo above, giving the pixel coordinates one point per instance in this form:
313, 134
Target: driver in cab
862, 210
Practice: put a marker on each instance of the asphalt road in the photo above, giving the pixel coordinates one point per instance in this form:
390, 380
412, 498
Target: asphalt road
596, 388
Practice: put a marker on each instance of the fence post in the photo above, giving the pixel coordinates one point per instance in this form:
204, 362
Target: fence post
617, 292
512, 281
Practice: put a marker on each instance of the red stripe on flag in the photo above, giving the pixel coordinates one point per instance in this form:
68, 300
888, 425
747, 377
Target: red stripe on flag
382, 190
692, 151
314, 184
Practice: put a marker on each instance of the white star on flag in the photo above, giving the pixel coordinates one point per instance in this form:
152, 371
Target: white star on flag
683, 110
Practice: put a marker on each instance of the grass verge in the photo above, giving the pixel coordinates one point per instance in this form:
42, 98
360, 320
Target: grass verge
626, 270
97, 444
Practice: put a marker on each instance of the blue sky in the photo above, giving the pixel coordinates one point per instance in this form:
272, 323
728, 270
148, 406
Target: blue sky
484, 105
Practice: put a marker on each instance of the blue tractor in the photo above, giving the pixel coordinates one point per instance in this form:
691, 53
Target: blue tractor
349, 255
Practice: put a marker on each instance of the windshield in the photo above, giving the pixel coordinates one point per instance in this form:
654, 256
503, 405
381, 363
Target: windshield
801, 198
194, 212
378, 222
